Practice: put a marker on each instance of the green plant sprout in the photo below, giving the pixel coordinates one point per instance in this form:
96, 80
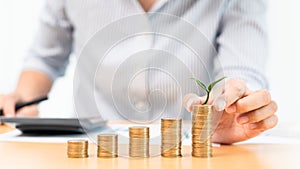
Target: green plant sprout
209, 88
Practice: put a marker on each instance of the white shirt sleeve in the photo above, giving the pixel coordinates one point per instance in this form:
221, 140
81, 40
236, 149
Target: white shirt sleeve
242, 42
52, 45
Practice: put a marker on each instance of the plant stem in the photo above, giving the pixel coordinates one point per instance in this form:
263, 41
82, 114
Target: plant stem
207, 97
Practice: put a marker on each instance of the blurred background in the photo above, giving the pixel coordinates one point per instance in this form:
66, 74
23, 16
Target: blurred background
19, 22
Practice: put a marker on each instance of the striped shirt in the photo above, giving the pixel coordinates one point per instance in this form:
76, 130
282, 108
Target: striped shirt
147, 72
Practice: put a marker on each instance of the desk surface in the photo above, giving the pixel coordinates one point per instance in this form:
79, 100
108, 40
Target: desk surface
53, 155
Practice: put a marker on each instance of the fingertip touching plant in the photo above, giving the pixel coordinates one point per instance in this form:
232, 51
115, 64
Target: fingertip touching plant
209, 88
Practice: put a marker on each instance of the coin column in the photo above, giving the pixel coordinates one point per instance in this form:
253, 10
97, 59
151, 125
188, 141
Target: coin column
107, 145
202, 131
77, 148
171, 137
139, 142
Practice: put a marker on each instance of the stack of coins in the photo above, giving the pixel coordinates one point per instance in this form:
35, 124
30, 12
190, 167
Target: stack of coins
202, 131
107, 145
139, 142
171, 137
77, 148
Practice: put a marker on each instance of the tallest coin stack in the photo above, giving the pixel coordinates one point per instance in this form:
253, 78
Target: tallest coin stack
202, 131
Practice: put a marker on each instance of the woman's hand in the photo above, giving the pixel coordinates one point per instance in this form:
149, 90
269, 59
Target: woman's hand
246, 113
8, 103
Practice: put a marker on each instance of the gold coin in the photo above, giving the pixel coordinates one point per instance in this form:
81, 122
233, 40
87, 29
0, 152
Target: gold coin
202, 108
171, 137
139, 141
107, 145
77, 148
202, 131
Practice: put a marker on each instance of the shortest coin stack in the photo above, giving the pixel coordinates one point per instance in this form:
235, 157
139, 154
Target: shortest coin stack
78, 148
107, 145
139, 142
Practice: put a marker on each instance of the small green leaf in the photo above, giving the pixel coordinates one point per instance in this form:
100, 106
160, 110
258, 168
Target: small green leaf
202, 85
211, 86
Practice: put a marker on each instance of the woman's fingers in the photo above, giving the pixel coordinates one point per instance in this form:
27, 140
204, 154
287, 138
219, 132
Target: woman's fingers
191, 99
253, 101
234, 90
224, 97
264, 124
259, 114
28, 111
8, 103
9, 106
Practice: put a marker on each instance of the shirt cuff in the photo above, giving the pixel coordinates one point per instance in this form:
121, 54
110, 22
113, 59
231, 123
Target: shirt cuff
39, 64
253, 79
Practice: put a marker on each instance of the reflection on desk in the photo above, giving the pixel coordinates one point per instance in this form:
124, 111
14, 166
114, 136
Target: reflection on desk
5, 129
53, 155
252, 155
